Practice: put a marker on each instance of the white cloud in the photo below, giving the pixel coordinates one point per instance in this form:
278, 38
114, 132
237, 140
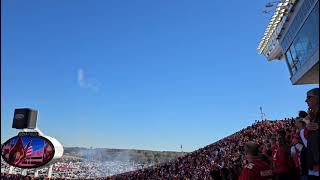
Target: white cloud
81, 80
84, 82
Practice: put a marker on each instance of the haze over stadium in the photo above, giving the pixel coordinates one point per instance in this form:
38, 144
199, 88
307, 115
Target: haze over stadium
140, 74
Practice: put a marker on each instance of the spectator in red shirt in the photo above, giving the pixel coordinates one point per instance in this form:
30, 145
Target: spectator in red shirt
273, 143
281, 160
256, 169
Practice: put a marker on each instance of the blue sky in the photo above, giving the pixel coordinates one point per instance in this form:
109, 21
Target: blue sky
140, 74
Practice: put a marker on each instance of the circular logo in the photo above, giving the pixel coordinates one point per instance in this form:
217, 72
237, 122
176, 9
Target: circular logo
19, 116
27, 151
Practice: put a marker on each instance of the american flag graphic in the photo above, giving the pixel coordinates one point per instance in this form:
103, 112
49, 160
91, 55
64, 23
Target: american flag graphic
29, 149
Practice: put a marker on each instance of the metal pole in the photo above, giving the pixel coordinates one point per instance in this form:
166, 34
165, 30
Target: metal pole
261, 113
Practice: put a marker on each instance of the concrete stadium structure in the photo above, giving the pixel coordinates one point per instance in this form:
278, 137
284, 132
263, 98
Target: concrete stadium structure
293, 36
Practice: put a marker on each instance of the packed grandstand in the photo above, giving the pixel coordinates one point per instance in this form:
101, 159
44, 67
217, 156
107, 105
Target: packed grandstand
268, 149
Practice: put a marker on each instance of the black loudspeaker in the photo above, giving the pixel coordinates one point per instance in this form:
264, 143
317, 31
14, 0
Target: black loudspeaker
24, 118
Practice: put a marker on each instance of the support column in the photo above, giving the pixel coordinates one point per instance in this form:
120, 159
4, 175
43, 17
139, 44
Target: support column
36, 173
50, 171
11, 170
24, 172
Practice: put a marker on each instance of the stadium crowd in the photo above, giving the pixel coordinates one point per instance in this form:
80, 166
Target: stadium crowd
221, 160
79, 169
281, 150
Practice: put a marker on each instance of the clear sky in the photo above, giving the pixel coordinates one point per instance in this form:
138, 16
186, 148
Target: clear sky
140, 74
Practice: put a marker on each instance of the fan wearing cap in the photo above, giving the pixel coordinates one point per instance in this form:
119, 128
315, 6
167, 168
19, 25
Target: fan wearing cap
256, 169
313, 138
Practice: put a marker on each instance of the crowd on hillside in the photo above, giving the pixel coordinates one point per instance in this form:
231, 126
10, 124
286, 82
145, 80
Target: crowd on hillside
221, 160
280, 150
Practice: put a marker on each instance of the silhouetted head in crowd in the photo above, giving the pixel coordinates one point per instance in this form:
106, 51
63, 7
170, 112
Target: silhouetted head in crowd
269, 152
282, 133
225, 172
215, 174
303, 114
252, 149
282, 142
264, 158
273, 141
